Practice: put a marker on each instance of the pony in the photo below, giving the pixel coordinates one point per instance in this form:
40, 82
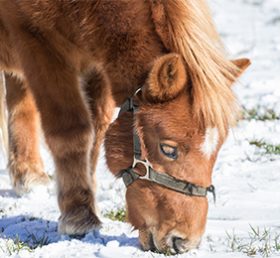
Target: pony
68, 64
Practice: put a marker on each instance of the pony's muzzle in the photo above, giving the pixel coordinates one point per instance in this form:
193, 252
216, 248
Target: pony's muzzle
178, 245
171, 244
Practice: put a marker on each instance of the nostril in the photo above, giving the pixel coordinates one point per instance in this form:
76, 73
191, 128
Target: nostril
177, 244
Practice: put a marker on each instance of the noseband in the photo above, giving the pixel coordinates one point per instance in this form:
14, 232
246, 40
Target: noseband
129, 175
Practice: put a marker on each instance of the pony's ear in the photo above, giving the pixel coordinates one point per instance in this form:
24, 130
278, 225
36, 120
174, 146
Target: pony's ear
242, 64
166, 79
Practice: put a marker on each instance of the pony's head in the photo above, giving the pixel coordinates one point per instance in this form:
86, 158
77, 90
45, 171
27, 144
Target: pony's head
174, 142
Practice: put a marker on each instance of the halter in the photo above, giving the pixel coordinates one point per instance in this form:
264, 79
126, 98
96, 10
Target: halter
129, 175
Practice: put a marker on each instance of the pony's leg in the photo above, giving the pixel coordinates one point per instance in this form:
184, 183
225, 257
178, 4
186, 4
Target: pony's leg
98, 92
66, 122
25, 164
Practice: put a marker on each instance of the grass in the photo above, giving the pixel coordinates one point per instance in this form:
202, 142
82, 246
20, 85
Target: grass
267, 147
39, 242
118, 215
259, 242
260, 114
15, 246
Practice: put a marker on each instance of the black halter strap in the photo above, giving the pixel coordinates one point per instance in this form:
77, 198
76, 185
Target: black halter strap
129, 175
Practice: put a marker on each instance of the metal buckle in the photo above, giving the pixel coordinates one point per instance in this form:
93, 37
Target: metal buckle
137, 91
211, 189
147, 166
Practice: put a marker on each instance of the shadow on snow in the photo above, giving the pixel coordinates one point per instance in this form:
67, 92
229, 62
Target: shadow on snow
38, 232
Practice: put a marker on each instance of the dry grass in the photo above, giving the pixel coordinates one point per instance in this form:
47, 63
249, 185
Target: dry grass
259, 242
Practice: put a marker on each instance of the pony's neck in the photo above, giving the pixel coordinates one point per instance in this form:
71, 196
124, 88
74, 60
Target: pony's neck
119, 143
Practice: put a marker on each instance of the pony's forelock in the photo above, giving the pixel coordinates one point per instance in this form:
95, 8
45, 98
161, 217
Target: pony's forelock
186, 27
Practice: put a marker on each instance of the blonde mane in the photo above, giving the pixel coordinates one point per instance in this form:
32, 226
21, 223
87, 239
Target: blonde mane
186, 27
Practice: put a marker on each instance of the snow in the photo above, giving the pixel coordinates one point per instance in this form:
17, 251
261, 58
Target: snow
247, 180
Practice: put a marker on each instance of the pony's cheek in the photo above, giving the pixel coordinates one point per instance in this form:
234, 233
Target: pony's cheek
141, 205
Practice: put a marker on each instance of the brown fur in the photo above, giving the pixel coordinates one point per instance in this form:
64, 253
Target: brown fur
26, 167
165, 81
75, 60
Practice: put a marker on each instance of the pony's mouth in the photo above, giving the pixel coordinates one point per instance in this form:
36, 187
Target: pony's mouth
152, 243
173, 248
174, 245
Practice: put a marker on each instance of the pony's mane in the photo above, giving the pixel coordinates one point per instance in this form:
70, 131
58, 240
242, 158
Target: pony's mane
186, 27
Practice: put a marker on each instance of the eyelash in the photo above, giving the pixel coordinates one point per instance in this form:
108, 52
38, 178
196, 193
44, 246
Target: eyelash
173, 155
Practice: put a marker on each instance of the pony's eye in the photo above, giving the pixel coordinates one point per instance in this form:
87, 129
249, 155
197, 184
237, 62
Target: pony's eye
169, 151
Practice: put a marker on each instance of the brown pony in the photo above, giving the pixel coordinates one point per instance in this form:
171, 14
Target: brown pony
67, 65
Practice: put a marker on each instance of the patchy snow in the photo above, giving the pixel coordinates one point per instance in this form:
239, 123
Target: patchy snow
246, 179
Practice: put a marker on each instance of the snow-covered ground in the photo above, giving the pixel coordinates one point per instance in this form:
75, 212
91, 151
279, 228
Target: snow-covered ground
245, 219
